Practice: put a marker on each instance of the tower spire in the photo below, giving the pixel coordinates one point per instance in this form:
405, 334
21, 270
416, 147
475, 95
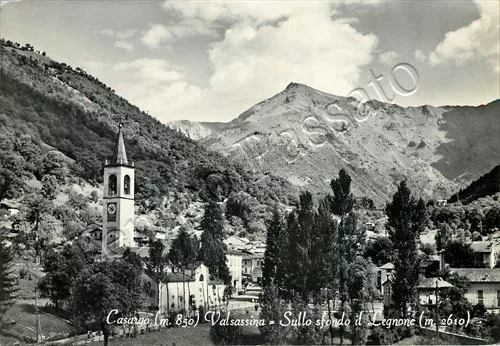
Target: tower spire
120, 155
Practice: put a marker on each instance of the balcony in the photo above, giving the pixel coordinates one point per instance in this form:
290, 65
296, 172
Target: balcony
489, 303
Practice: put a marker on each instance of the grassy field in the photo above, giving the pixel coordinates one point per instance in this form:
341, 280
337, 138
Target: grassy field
199, 335
20, 319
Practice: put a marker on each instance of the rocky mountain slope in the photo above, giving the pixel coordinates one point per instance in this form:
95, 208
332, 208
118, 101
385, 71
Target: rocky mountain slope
306, 136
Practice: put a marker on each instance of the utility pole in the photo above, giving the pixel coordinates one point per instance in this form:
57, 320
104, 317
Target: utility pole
38, 327
437, 313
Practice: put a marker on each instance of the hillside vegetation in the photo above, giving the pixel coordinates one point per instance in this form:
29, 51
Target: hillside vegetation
55, 108
486, 185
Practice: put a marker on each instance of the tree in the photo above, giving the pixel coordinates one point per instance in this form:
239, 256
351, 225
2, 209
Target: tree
273, 253
11, 173
361, 288
453, 302
49, 186
343, 200
213, 250
7, 281
326, 259
37, 209
156, 267
380, 251
225, 334
183, 253
406, 220
443, 236
300, 225
61, 270
103, 287
53, 164
459, 254
350, 240
272, 309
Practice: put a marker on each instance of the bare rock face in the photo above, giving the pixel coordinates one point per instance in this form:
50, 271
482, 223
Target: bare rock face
306, 136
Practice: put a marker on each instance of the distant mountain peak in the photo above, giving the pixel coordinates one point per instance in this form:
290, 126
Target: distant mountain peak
293, 86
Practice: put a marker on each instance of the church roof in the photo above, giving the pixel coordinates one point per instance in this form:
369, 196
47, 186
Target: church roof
119, 154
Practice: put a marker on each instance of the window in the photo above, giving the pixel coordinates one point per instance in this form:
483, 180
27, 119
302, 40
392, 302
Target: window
498, 298
112, 185
480, 297
126, 185
201, 277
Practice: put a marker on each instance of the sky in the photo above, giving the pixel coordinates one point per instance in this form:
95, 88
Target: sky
212, 60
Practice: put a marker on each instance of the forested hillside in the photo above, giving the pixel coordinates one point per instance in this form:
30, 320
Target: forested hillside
53, 106
486, 185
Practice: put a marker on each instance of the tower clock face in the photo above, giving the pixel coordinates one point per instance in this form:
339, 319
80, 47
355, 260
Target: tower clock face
111, 208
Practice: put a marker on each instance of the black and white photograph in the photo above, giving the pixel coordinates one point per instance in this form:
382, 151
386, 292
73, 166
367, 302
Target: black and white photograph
249, 172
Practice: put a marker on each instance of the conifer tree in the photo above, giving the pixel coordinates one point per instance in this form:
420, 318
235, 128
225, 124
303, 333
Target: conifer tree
406, 220
350, 238
184, 250
273, 309
156, 267
213, 250
342, 200
183, 253
273, 253
300, 225
7, 281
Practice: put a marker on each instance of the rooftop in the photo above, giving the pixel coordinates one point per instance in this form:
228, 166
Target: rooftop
479, 274
431, 283
388, 265
481, 246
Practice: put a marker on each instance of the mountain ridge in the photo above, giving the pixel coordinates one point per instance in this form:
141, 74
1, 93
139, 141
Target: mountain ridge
288, 133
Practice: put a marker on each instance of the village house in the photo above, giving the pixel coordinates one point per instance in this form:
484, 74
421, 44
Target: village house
186, 291
237, 243
252, 265
484, 286
427, 287
235, 264
383, 273
441, 202
8, 208
488, 250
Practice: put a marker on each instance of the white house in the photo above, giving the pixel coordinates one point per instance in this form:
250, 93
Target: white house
190, 291
484, 286
252, 265
427, 287
235, 264
237, 243
383, 275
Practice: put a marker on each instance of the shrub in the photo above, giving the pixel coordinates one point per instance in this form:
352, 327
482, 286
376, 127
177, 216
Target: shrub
23, 272
225, 334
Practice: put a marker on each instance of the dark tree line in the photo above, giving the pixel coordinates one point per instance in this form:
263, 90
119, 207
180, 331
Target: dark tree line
318, 255
8, 285
313, 256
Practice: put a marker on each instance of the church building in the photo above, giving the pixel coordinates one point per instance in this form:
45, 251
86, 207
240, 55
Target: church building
182, 292
118, 200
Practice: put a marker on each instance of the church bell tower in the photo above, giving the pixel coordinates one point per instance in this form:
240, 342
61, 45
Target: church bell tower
118, 200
